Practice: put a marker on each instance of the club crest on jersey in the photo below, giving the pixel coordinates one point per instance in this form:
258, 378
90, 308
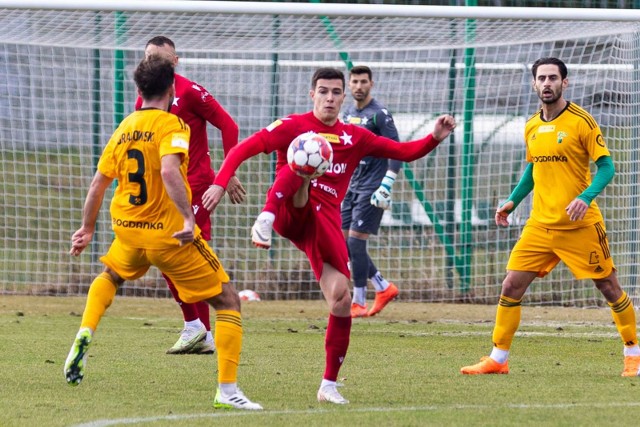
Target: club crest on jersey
346, 138
561, 136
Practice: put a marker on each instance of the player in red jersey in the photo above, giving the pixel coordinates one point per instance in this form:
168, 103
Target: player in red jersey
196, 106
308, 213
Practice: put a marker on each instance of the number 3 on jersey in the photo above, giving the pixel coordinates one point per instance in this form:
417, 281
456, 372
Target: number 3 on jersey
138, 178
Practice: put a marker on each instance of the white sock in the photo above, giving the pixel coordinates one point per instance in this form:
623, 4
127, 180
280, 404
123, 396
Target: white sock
327, 382
228, 389
209, 337
266, 216
193, 324
633, 350
498, 355
359, 296
379, 282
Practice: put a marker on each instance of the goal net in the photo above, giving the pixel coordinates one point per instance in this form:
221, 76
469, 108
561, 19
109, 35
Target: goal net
67, 82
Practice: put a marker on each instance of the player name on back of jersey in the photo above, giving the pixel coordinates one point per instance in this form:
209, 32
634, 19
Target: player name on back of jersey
136, 135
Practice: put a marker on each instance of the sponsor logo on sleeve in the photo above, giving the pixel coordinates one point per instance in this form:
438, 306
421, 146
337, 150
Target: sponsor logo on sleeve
274, 125
179, 142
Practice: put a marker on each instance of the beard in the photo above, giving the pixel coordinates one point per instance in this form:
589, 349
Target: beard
554, 98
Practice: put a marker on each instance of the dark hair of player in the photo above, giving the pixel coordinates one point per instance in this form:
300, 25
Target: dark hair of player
154, 76
327, 73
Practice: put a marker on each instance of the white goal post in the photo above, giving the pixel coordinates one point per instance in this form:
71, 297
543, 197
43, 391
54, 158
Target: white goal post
66, 70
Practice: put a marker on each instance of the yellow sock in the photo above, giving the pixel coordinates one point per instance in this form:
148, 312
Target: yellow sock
625, 318
507, 322
228, 338
100, 296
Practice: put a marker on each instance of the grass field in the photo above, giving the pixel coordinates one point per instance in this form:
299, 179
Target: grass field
402, 368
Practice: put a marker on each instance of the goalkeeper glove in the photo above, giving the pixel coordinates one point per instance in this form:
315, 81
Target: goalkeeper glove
382, 196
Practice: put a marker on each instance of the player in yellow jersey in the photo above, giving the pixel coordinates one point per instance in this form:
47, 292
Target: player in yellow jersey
565, 223
154, 225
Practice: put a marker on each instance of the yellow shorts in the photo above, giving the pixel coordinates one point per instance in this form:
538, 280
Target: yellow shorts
584, 250
194, 269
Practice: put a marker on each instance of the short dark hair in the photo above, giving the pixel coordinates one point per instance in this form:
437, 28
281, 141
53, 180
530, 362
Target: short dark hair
153, 76
550, 61
160, 41
361, 69
327, 73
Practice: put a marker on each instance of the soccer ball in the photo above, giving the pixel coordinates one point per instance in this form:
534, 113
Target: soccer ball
309, 155
249, 295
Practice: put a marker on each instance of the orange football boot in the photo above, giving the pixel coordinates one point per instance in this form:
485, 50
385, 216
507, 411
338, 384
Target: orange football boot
486, 366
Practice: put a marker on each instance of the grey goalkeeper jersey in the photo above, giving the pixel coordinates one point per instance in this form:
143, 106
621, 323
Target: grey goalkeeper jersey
375, 117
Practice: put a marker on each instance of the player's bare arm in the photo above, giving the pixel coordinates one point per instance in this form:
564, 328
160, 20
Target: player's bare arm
177, 191
82, 237
236, 191
212, 197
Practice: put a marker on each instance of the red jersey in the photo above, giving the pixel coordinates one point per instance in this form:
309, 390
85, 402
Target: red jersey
196, 106
350, 143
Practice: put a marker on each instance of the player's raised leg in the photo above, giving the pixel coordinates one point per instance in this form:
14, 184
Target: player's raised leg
285, 185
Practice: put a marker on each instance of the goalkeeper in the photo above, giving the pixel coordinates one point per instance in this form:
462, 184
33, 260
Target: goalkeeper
368, 196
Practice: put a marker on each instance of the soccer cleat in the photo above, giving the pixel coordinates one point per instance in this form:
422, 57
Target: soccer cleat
383, 298
486, 366
358, 310
261, 233
631, 366
236, 401
189, 337
203, 347
77, 358
329, 393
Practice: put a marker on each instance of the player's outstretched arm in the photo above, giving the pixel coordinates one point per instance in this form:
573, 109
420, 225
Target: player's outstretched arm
82, 237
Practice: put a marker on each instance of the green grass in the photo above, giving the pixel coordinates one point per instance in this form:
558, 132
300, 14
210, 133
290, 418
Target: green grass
401, 370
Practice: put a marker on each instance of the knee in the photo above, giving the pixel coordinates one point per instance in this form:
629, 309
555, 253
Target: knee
609, 287
357, 247
115, 278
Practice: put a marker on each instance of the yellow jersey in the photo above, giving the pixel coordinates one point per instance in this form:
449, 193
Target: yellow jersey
561, 150
142, 214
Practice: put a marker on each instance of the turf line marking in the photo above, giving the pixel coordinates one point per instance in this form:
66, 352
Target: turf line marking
234, 414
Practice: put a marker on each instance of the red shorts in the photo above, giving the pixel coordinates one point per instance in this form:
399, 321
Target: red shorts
315, 230
203, 216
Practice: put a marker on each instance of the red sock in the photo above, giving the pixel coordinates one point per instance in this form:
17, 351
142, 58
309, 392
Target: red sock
336, 344
203, 313
284, 187
189, 311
